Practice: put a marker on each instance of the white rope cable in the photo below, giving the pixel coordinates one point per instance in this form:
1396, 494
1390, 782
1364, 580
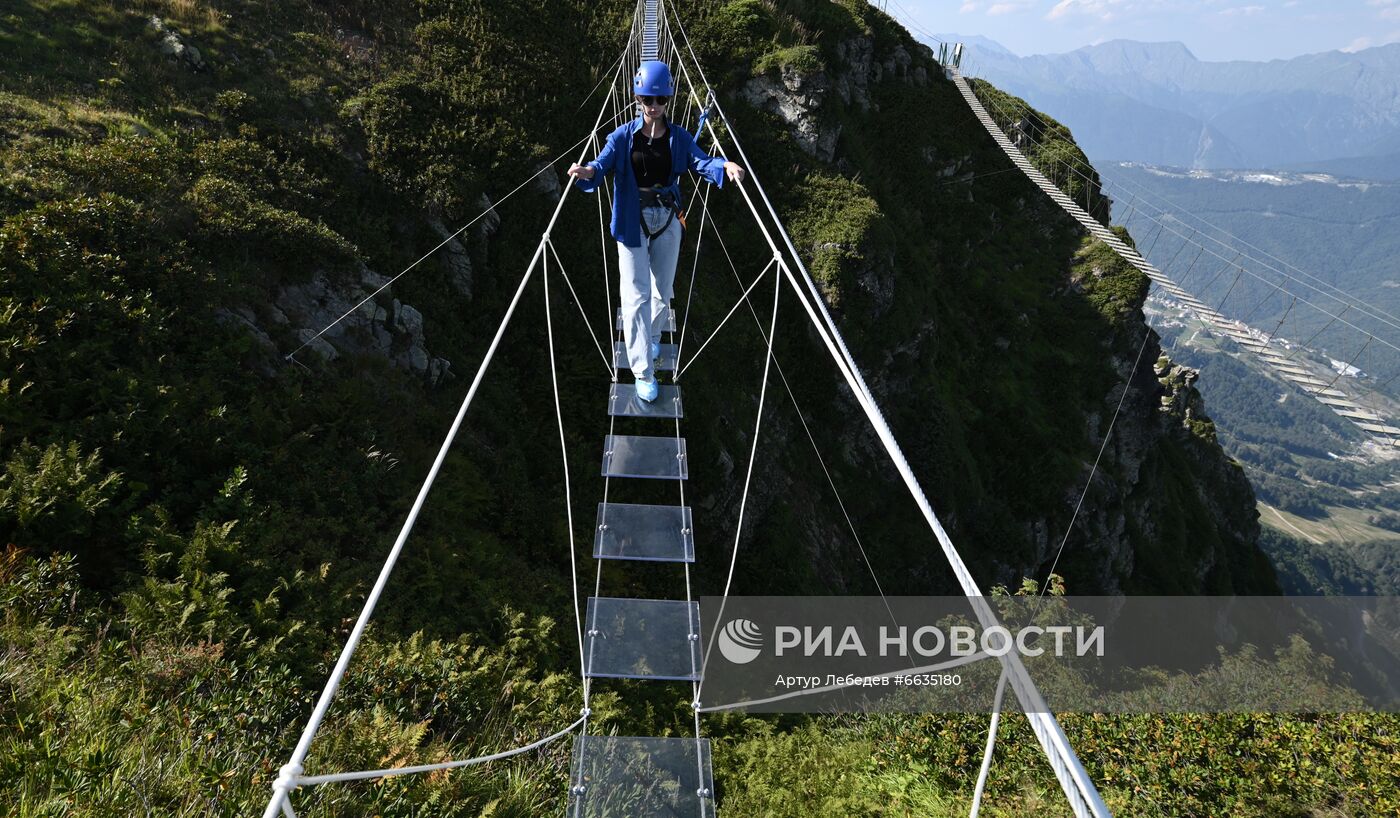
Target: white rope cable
1074, 780
620, 108
1088, 484
1343, 370
910, 23
782, 376
696, 669
694, 267
610, 73
607, 363
362, 775
607, 274
1127, 384
991, 747
777, 256
748, 474
743, 299
1278, 288
290, 772
568, 489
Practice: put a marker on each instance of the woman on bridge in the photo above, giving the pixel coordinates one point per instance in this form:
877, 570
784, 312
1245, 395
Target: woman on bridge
646, 158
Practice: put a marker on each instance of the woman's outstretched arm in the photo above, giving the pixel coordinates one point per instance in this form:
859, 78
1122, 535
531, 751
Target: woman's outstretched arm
714, 168
590, 175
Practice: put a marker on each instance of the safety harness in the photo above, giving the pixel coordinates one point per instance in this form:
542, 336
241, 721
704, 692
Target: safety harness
662, 197
653, 197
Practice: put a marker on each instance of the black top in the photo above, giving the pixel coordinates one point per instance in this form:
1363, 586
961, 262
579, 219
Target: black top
651, 159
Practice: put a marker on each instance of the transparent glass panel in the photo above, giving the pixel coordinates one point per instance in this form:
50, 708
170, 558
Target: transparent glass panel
639, 456
643, 639
667, 360
637, 532
623, 402
625, 777
670, 320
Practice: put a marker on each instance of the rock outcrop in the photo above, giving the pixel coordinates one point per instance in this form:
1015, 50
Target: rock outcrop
174, 48
393, 330
796, 97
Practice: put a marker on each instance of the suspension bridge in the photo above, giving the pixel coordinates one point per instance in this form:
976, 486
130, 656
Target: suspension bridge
1368, 419
660, 640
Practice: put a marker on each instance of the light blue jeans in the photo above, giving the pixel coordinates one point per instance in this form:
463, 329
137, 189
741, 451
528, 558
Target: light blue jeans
647, 283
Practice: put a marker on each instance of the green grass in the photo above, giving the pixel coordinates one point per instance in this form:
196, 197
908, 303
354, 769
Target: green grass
1341, 524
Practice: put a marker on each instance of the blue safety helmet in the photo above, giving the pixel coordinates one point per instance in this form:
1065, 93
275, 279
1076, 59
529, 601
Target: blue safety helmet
653, 79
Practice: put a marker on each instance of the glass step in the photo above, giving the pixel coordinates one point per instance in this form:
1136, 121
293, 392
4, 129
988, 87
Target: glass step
625, 531
661, 458
626, 776
642, 639
667, 359
623, 402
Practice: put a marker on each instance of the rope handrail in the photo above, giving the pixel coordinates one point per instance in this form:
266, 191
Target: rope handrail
361, 775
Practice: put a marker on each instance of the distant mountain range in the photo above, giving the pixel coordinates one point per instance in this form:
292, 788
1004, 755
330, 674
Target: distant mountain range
1333, 112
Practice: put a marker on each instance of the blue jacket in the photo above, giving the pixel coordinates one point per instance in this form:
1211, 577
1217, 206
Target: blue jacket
616, 159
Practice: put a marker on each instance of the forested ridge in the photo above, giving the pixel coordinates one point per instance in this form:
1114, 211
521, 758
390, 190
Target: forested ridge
191, 522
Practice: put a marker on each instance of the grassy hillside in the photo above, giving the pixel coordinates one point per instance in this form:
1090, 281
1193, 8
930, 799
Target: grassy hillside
190, 520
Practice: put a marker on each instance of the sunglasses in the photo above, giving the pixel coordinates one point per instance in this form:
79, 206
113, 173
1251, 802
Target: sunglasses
654, 100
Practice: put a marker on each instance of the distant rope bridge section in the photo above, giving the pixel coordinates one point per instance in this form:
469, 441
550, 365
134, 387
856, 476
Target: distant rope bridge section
1370, 421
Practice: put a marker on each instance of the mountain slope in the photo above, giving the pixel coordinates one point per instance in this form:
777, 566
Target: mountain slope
194, 518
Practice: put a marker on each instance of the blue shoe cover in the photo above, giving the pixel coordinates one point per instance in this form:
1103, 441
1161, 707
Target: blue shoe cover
655, 350
647, 389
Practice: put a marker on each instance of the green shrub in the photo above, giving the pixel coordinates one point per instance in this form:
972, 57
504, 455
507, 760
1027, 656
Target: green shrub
842, 228
228, 212
804, 59
735, 34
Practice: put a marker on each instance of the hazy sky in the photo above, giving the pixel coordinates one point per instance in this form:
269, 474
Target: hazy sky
1212, 29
